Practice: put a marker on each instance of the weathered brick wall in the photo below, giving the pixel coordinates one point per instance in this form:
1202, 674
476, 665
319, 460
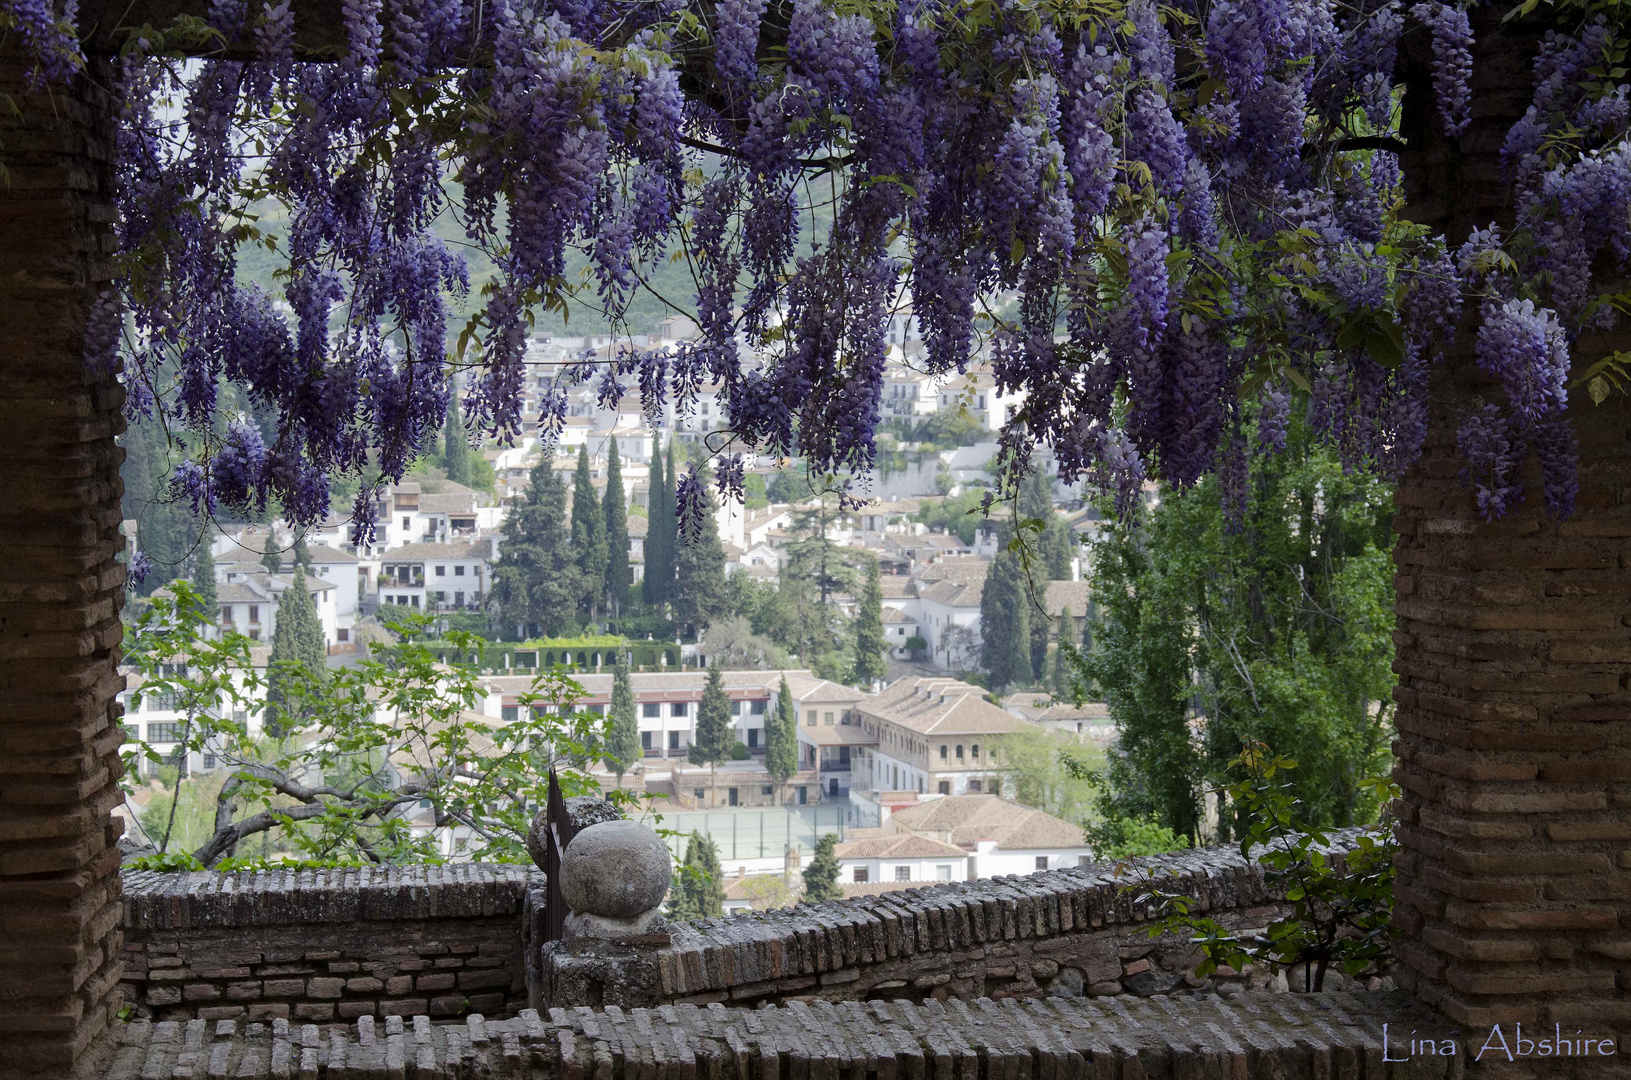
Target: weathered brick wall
324, 946
60, 586
1514, 655
1063, 933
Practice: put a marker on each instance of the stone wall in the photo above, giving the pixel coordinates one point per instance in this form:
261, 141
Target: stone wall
1061, 933
324, 946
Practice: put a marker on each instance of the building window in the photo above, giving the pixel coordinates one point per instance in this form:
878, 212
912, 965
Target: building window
441, 597
942, 751
441, 571
226, 612
342, 634
730, 796
1084, 860
511, 713
942, 871
458, 599
804, 796
651, 710
1041, 862
757, 707
696, 793
753, 738
810, 718
673, 740
679, 708
766, 789
164, 732
458, 571
996, 786
645, 741
974, 787
209, 762
254, 613
736, 708
829, 719
959, 751
861, 875
974, 752
407, 522
945, 787
254, 633
903, 873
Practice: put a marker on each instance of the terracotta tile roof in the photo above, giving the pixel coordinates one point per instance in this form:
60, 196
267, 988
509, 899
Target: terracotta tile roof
941, 706
897, 846
1035, 706
965, 820
480, 548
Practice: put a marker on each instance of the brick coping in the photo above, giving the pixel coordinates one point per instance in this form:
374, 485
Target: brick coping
1249, 1035
158, 900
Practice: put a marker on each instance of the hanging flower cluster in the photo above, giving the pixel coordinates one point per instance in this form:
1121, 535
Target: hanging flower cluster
1164, 225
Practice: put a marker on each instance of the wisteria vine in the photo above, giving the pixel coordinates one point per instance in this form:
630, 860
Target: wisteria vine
1164, 226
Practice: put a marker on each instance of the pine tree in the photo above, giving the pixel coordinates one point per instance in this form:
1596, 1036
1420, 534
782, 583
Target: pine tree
821, 876
623, 744
870, 646
712, 742
659, 545
536, 578
204, 577
297, 640
588, 537
617, 533
1005, 623
700, 595
455, 446
272, 554
700, 891
781, 737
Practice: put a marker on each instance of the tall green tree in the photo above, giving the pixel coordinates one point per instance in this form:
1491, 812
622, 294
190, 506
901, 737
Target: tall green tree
1059, 676
1055, 546
700, 595
700, 891
821, 876
272, 553
1272, 626
658, 586
204, 575
535, 581
165, 528
623, 738
814, 557
1005, 620
781, 736
712, 742
299, 653
870, 647
456, 446
617, 533
588, 537
301, 553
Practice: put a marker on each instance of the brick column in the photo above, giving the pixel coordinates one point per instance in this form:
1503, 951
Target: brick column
1514, 658
60, 587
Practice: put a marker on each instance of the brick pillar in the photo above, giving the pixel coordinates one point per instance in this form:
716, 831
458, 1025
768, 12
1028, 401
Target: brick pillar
1514, 662
60, 586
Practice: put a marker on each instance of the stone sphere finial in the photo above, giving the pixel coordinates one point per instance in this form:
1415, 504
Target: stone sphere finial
614, 876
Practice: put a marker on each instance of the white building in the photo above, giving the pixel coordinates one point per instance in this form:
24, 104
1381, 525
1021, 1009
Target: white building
932, 736
248, 603
874, 855
438, 576
999, 835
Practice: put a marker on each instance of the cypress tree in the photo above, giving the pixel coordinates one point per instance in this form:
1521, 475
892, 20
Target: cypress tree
781, 737
821, 876
623, 744
588, 537
302, 554
1059, 683
164, 527
699, 596
536, 578
271, 556
455, 446
712, 743
869, 642
298, 652
659, 553
617, 533
700, 891
204, 577
1005, 623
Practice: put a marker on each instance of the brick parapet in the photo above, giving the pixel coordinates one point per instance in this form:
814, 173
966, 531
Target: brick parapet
327, 945
1061, 932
